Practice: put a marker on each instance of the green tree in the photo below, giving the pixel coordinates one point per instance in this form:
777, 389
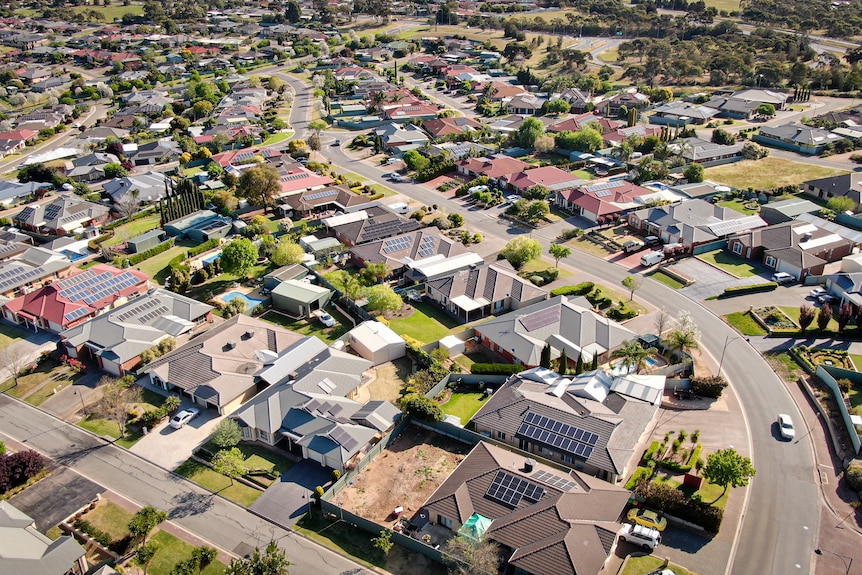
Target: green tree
726, 467
229, 462
317, 126
382, 298
270, 562
416, 161
117, 397
478, 555
545, 359
839, 204
557, 107
766, 110
421, 407
633, 355
537, 210
115, 170
537, 192
383, 542
286, 253
456, 219
293, 12
529, 130
521, 250
144, 521
227, 434
144, 555
259, 185
631, 283
559, 252
202, 109
806, 317
238, 256
563, 362
374, 273
694, 173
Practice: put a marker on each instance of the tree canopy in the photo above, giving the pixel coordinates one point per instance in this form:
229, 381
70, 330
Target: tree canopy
383, 298
259, 185
238, 256
286, 253
726, 467
521, 250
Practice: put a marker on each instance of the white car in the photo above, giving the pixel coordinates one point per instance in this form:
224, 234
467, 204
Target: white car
816, 292
642, 536
327, 320
785, 426
184, 416
394, 176
391, 161
511, 199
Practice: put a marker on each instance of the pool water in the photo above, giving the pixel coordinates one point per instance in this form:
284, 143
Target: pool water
250, 302
620, 368
212, 258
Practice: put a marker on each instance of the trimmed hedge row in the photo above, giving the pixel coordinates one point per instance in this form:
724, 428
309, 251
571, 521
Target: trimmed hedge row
664, 498
684, 467
639, 474
752, 288
162, 247
578, 289
206, 246
495, 369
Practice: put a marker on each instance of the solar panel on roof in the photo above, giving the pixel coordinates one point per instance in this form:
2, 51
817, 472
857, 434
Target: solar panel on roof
509, 490
320, 195
604, 186
560, 435
541, 318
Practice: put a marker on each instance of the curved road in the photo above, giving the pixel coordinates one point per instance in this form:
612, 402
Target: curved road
781, 519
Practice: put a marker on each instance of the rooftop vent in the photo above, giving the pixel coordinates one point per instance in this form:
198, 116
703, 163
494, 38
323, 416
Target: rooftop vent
249, 333
231, 345
529, 464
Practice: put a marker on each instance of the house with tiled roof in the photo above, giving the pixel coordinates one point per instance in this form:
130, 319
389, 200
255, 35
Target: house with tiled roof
796, 138
482, 290
601, 201
413, 111
592, 422
26, 551
550, 522
630, 99
339, 198
551, 177
526, 104
796, 247
844, 186
579, 100
379, 225
24, 267
116, 340
91, 167
692, 222
440, 128
80, 296
23, 137
615, 137
398, 252
401, 138
503, 91
244, 156
576, 123
149, 186
493, 168
218, 368
680, 113
61, 215
565, 323
161, 151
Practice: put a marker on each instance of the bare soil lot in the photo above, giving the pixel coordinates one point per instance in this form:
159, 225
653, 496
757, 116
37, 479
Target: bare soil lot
405, 475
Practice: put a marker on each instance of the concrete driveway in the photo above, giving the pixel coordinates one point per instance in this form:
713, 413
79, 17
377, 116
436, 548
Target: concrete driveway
287, 500
711, 281
56, 497
169, 447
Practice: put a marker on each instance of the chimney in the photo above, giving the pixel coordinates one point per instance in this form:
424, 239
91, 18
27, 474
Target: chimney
529, 464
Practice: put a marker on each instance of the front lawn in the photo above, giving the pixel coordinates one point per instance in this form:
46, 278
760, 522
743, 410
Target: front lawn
209, 479
150, 401
9, 335
730, 263
312, 326
258, 458
49, 375
541, 265
767, 173
664, 278
745, 323
426, 324
172, 550
276, 138
646, 564
464, 405
110, 518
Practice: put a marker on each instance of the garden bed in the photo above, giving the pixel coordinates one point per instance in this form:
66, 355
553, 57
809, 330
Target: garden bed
772, 317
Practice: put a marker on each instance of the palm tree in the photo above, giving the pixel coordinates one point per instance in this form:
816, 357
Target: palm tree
682, 340
377, 100
634, 355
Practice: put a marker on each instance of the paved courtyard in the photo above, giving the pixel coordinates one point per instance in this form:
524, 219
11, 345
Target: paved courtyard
288, 499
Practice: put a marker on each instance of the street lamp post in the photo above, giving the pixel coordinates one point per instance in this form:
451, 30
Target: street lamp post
848, 561
81, 397
727, 341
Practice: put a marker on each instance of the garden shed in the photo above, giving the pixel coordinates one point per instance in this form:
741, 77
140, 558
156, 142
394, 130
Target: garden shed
298, 298
376, 342
146, 241
452, 344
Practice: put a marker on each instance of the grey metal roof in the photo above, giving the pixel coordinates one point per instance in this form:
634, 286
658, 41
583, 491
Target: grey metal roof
25, 551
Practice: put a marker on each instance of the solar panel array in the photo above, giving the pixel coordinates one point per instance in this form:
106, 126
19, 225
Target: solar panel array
568, 438
541, 318
76, 313
397, 244
426, 248
343, 439
20, 275
604, 186
52, 211
376, 230
603, 193
560, 483
320, 195
91, 288
509, 490
149, 304
292, 177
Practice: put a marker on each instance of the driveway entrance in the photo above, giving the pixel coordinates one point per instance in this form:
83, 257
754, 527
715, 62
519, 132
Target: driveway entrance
288, 499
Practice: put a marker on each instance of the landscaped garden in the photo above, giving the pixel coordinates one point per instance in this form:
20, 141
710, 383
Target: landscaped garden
150, 402
209, 479
312, 326
262, 465
732, 264
664, 278
775, 318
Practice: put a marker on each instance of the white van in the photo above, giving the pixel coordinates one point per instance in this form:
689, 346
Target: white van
651, 258
399, 208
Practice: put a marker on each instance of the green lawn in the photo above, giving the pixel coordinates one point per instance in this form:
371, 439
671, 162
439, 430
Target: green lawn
110, 518
312, 326
541, 265
111, 13
258, 458
106, 428
9, 335
744, 323
206, 477
354, 542
171, 551
463, 405
767, 173
708, 493
857, 361
739, 206
831, 328
646, 564
157, 266
50, 372
426, 324
132, 229
670, 282
730, 263
276, 138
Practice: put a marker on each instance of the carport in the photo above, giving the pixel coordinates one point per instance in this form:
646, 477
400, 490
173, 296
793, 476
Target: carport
285, 501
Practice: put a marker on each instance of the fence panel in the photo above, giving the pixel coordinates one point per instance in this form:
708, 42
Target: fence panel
830, 376
711, 246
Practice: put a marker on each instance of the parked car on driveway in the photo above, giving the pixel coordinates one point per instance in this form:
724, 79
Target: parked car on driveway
782, 278
642, 536
327, 320
182, 417
785, 426
816, 292
647, 518
827, 298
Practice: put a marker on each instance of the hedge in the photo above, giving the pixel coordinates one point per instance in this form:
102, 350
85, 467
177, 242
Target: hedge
96, 242
162, 247
622, 312
640, 473
206, 246
495, 369
664, 498
683, 467
653, 447
578, 289
752, 288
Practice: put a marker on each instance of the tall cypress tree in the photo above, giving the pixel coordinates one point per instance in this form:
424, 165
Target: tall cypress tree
564, 363
579, 366
595, 363
545, 360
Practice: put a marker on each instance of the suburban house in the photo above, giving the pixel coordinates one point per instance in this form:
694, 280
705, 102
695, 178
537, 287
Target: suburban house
565, 323
630, 99
61, 215
548, 521
91, 167
68, 302
743, 104
550, 177
307, 408
615, 137
692, 222
300, 299
481, 290
592, 422
437, 267
492, 168
680, 114
399, 252
116, 339
602, 201
576, 123
13, 192
796, 247
334, 198
24, 267
217, 368
24, 550
408, 112
379, 225
150, 187
787, 210
199, 226
442, 128
376, 342
161, 151
700, 151
796, 138
846, 185
579, 101
400, 138
296, 179
526, 104
245, 156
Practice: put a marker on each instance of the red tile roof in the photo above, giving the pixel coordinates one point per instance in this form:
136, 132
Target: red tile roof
18, 135
494, 167
548, 176
603, 198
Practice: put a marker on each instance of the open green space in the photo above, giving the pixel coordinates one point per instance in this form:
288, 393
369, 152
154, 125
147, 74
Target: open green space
110, 518
276, 138
312, 326
463, 405
744, 323
731, 264
209, 479
172, 550
783, 364
132, 229
157, 266
426, 324
767, 173
664, 278
739, 205
9, 335
645, 564
110, 13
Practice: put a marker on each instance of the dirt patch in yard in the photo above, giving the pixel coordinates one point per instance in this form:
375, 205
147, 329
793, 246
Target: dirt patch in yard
388, 381
405, 475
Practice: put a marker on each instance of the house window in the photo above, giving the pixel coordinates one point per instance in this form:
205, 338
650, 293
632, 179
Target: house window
444, 300
263, 435
501, 436
444, 521
545, 451
248, 433
498, 305
737, 248
770, 261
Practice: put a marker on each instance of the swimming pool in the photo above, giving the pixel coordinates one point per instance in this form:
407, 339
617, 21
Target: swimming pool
250, 302
210, 259
620, 368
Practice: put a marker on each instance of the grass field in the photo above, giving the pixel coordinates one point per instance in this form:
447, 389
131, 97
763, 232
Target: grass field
132, 229
767, 173
110, 13
728, 5
730, 263
426, 323
276, 138
172, 550
206, 477
110, 518
9, 335
463, 405
159, 263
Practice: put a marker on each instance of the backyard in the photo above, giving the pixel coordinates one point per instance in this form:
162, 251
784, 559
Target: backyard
464, 405
423, 322
133, 229
389, 380
312, 326
730, 263
767, 173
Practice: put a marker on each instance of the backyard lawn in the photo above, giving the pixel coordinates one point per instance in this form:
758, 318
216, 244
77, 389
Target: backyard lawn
209, 479
767, 173
156, 266
731, 264
646, 564
312, 326
425, 324
463, 405
739, 206
172, 550
132, 229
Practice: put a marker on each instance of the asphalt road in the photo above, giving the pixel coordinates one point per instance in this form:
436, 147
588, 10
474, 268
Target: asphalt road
211, 518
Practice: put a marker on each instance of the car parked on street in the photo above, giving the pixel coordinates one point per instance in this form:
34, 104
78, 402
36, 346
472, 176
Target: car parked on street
641, 536
183, 417
647, 518
785, 426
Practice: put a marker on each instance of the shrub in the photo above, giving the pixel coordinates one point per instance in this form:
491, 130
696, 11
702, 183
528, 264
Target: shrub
752, 288
571, 234
421, 407
844, 385
853, 477
708, 386
650, 452
537, 280
151, 418
162, 247
622, 312
663, 497
577, 289
641, 473
92, 532
495, 368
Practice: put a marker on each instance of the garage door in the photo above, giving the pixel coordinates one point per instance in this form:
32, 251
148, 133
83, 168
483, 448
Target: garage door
314, 456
